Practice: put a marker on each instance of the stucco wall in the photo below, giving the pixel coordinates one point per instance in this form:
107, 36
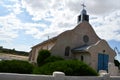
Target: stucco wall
86, 57
74, 38
35, 50
100, 47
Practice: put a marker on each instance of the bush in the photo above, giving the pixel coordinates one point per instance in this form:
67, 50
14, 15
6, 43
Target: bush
116, 62
53, 59
16, 66
42, 55
69, 67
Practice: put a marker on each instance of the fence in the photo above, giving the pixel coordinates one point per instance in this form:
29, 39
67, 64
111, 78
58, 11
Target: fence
55, 76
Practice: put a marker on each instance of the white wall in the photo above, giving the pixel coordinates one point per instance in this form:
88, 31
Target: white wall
55, 76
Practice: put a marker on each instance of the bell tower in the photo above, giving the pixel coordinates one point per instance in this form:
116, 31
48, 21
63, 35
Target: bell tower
83, 16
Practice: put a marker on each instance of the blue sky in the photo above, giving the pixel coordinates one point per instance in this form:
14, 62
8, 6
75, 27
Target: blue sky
25, 23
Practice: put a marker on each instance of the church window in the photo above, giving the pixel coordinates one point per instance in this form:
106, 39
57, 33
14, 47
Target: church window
85, 38
82, 58
67, 51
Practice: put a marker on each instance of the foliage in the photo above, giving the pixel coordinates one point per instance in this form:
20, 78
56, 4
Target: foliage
16, 66
42, 55
69, 67
116, 62
53, 59
13, 51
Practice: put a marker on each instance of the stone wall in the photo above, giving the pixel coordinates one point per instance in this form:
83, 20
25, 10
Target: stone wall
55, 76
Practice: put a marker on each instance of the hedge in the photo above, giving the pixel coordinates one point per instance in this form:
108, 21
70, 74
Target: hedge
69, 67
16, 66
53, 59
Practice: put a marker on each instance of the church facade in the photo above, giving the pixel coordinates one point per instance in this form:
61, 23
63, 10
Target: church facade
80, 43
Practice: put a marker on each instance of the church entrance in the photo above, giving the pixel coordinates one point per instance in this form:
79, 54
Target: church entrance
83, 56
103, 62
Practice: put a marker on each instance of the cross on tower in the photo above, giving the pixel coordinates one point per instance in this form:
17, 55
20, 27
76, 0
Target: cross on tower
83, 5
83, 16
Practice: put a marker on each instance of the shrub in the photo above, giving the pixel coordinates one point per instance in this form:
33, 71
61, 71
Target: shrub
69, 67
116, 62
42, 55
16, 66
53, 59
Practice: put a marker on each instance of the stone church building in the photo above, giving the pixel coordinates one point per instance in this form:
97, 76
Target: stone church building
80, 43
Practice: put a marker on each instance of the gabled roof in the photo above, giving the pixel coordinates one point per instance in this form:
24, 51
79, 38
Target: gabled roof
55, 38
47, 41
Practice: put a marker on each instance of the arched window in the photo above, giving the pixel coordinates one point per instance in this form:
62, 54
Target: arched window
67, 51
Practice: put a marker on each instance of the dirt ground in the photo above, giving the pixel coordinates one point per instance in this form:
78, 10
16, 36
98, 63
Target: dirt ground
4, 56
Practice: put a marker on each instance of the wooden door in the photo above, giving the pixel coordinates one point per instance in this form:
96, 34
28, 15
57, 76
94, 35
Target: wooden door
103, 62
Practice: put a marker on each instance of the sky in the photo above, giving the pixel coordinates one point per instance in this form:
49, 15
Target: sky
25, 23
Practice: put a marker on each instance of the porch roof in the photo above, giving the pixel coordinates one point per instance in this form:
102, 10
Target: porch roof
83, 48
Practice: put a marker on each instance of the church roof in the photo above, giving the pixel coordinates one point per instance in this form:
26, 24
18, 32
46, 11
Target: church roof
46, 41
56, 37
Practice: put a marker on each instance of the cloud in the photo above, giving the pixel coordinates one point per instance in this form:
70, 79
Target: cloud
102, 6
53, 11
51, 17
19, 47
108, 27
37, 8
64, 14
13, 6
9, 26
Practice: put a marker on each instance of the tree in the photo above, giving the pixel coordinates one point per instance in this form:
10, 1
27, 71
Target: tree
42, 55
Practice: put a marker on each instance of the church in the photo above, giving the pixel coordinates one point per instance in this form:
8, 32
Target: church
81, 43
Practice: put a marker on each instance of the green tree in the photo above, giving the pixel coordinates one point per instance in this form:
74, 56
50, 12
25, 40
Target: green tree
42, 55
